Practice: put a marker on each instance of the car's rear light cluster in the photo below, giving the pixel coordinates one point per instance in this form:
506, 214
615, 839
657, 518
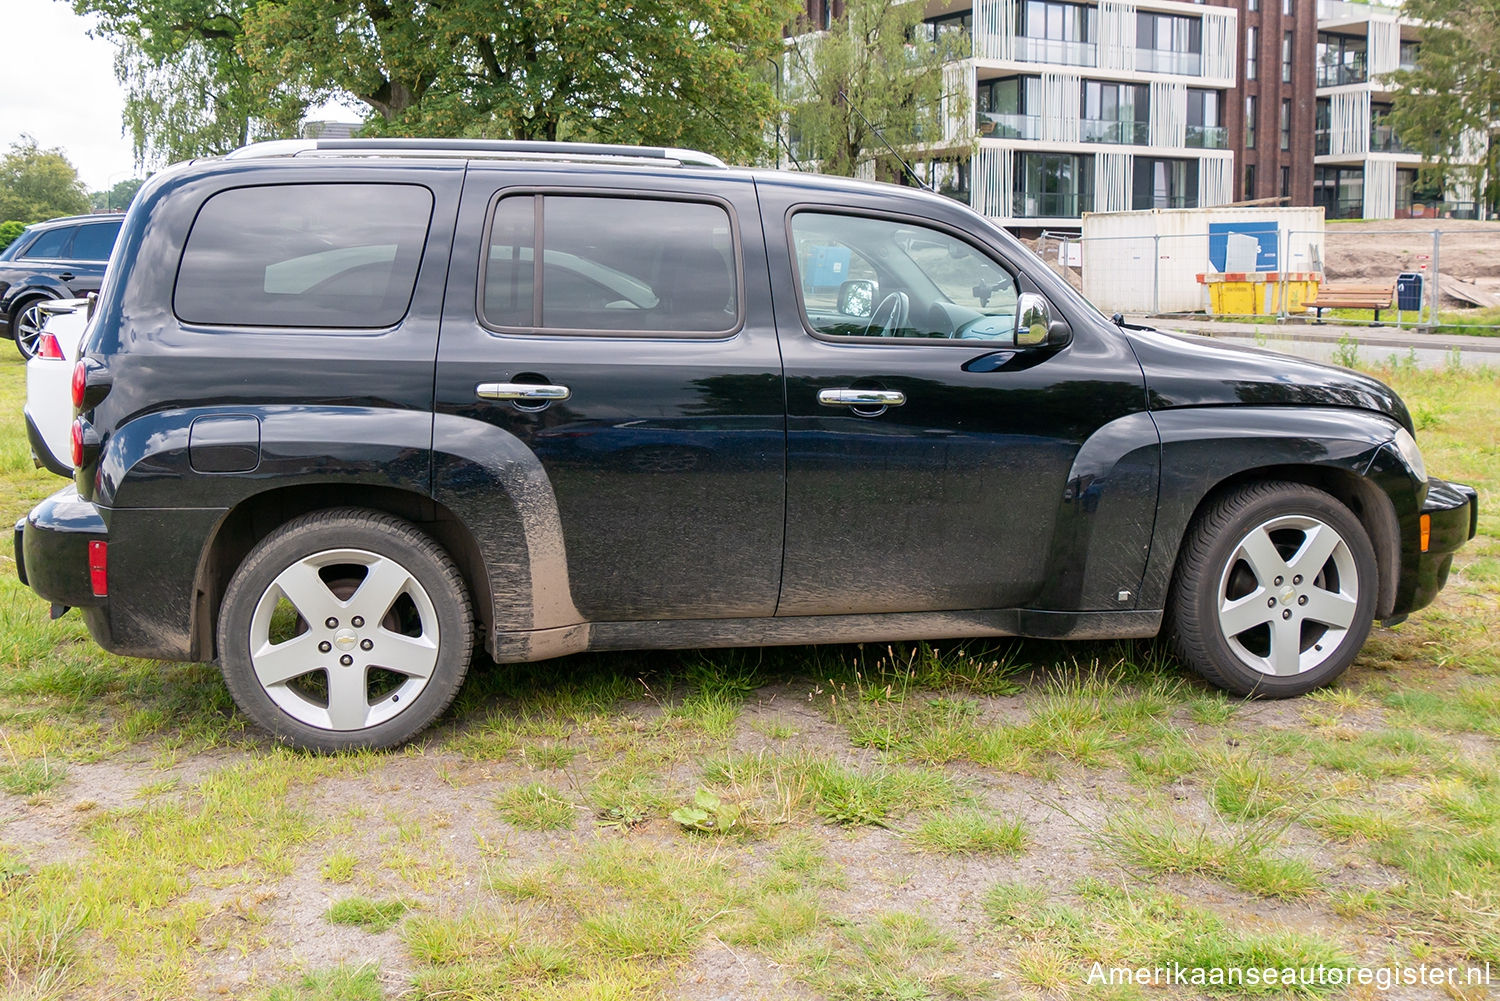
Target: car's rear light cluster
48, 348
75, 441
80, 383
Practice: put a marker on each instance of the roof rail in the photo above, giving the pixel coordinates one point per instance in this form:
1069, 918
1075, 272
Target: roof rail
478, 148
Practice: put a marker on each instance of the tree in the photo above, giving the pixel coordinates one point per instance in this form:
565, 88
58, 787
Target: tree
1446, 106
117, 198
189, 90
664, 72
38, 184
874, 73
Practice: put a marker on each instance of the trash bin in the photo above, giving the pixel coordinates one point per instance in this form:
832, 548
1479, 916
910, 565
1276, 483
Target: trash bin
1409, 290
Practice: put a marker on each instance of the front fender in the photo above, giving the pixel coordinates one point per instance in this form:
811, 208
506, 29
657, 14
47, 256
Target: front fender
1204, 447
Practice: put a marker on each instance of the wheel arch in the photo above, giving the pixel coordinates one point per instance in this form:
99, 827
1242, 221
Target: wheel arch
1366, 501
256, 516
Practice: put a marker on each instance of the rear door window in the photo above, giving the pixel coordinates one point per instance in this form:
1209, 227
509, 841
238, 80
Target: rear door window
304, 255
95, 241
612, 265
51, 244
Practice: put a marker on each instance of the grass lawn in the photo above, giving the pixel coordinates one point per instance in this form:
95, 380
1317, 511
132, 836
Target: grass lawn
852, 823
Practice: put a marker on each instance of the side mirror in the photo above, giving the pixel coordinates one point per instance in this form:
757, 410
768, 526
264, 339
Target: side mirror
1035, 325
857, 298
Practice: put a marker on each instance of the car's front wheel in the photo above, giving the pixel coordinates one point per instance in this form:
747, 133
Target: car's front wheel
345, 629
1275, 590
26, 326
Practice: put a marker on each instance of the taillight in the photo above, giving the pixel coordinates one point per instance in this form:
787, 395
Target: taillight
76, 440
80, 383
48, 348
99, 567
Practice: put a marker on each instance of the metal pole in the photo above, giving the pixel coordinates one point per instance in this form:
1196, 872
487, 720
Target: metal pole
1432, 310
1156, 274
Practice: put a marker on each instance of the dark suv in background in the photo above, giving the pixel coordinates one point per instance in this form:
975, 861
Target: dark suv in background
334, 423
57, 259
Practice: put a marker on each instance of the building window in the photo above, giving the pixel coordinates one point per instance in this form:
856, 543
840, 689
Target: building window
948, 26
1286, 57
1116, 113
1286, 182
1165, 184
1249, 182
1340, 190
1001, 106
1322, 127
1053, 186
1252, 46
1409, 52
1204, 126
1052, 32
1286, 124
1168, 43
1252, 111
1286, 8
1252, 6
1341, 59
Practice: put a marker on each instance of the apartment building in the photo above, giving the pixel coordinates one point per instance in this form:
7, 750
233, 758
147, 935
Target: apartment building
1272, 109
1361, 169
1090, 107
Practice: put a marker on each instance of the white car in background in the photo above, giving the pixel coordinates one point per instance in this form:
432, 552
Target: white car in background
49, 375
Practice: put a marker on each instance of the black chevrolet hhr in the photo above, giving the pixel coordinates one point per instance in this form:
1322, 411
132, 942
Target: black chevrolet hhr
334, 423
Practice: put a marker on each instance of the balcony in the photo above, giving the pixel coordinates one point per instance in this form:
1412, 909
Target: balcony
1383, 139
1322, 142
1207, 137
1341, 74
1341, 208
1126, 133
1056, 51
992, 125
1166, 61
1049, 205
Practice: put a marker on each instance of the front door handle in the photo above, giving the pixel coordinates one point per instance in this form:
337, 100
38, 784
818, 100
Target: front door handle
66, 276
861, 397
524, 391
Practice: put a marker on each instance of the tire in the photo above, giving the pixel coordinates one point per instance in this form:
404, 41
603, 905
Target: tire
26, 322
1263, 568
325, 664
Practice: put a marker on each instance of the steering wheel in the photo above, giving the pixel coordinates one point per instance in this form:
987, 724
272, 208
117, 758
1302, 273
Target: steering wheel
898, 307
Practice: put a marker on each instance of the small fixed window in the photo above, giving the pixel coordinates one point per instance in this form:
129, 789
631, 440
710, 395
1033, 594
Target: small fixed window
868, 277
94, 242
51, 244
612, 265
304, 255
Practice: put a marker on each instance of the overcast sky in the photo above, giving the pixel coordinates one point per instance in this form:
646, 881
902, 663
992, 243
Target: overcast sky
58, 84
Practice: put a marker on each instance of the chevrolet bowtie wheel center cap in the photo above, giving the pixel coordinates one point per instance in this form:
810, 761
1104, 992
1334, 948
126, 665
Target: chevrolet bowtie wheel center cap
346, 639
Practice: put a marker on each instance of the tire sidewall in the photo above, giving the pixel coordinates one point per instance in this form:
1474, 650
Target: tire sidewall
1294, 500
377, 534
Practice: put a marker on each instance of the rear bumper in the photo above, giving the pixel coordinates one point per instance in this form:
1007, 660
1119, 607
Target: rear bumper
1453, 510
52, 548
40, 453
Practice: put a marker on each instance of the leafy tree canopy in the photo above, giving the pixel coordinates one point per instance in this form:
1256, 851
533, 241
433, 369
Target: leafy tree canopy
1446, 106
189, 90
662, 72
879, 56
117, 198
37, 184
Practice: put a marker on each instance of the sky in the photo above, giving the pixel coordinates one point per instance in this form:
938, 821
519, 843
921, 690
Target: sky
58, 85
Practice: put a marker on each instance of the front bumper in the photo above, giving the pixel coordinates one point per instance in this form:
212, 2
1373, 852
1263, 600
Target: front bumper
1452, 510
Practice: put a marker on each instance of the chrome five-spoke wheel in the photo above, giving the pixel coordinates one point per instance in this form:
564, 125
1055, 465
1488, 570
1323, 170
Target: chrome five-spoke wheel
27, 327
345, 629
1275, 590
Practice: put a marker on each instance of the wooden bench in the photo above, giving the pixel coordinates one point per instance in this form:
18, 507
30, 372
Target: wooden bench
1376, 297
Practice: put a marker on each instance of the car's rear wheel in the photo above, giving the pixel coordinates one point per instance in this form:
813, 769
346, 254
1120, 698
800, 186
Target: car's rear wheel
1275, 590
26, 322
345, 629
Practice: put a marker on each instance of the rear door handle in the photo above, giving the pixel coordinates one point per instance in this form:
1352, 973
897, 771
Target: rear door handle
861, 397
525, 391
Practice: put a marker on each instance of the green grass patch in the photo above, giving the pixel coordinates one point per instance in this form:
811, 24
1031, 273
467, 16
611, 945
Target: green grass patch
373, 916
968, 832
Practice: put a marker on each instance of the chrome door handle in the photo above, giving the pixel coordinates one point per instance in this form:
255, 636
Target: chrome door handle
526, 391
861, 397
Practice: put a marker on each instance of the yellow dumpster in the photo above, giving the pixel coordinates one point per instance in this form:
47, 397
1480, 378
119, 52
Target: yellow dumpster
1257, 293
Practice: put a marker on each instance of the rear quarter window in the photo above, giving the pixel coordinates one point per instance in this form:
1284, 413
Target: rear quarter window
304, 255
